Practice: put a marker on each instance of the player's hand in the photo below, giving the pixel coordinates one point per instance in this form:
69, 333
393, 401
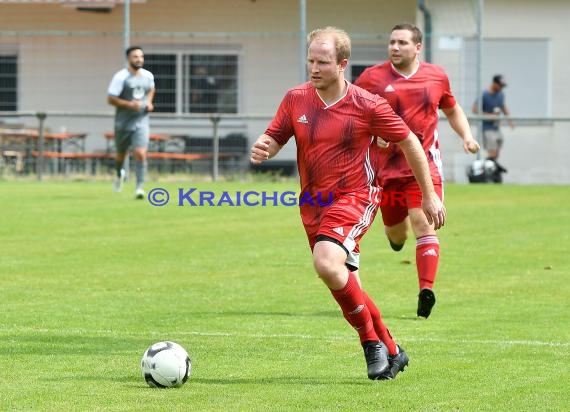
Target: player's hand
260, 150
471, 146
136, 105
382, 144
434, 210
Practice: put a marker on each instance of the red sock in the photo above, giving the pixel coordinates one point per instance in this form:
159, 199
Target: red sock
351, 301
379, 326
427, 259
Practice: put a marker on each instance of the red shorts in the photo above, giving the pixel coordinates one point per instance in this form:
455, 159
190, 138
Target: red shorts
399, 195
346, 220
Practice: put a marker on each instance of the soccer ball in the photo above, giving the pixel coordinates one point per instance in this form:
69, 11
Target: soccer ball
166, 365
483, 171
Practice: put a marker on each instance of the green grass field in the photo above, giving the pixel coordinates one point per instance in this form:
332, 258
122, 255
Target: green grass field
89, 279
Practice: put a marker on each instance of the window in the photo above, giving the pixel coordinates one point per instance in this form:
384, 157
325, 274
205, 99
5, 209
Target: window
356, 70
8, 83
213, 86
194, 83
364, 56
163, 67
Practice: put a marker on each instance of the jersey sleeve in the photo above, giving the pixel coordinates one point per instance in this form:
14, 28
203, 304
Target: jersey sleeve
281, 127
502, 100
386, 123
151, 79
116, 85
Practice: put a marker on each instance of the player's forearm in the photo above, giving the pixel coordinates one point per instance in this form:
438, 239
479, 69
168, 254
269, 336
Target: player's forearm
264, 148
507, 114
274, 147
459, 123
118, 102
417, 160
150, 97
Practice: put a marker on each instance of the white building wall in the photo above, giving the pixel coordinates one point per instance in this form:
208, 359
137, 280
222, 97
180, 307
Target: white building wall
532, 153
71, 72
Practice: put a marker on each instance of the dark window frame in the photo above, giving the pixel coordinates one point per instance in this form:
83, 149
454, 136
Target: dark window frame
9, 80
194, 82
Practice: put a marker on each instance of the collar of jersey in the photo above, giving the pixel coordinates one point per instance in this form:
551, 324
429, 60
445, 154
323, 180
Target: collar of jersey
402, 74
337, 100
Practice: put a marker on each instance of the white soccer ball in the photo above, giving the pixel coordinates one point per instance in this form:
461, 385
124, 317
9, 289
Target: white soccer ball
490, 167
166, 365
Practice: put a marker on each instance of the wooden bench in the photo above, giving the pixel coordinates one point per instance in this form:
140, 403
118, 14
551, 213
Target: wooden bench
68, 162
81, 162
173, 162
14, 160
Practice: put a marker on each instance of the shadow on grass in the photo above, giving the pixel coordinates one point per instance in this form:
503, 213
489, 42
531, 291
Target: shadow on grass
407, 317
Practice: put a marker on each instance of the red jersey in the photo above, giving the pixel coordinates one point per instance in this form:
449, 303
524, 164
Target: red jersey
416, 99
333, 141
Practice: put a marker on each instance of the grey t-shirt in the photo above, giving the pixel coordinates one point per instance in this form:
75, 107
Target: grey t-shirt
128, 86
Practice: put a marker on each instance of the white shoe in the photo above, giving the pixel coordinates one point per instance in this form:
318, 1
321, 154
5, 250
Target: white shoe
139, 193
118, 182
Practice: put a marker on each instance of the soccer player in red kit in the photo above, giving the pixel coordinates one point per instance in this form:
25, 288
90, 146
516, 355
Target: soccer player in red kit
333, 123
415, 90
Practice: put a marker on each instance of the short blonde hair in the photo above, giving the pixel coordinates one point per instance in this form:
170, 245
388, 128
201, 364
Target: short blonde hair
341, 40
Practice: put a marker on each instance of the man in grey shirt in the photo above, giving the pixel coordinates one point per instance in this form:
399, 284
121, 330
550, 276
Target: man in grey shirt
131, 92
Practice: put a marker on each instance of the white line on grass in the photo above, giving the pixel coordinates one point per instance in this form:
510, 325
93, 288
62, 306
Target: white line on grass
409, 339
100, 332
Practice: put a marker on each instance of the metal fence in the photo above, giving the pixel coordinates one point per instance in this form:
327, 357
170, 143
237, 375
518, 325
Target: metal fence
28, 146
535, 150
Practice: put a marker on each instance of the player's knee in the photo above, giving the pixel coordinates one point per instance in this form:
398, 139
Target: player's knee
329, 257
324, 266
139, 154
328, 265
421, 227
